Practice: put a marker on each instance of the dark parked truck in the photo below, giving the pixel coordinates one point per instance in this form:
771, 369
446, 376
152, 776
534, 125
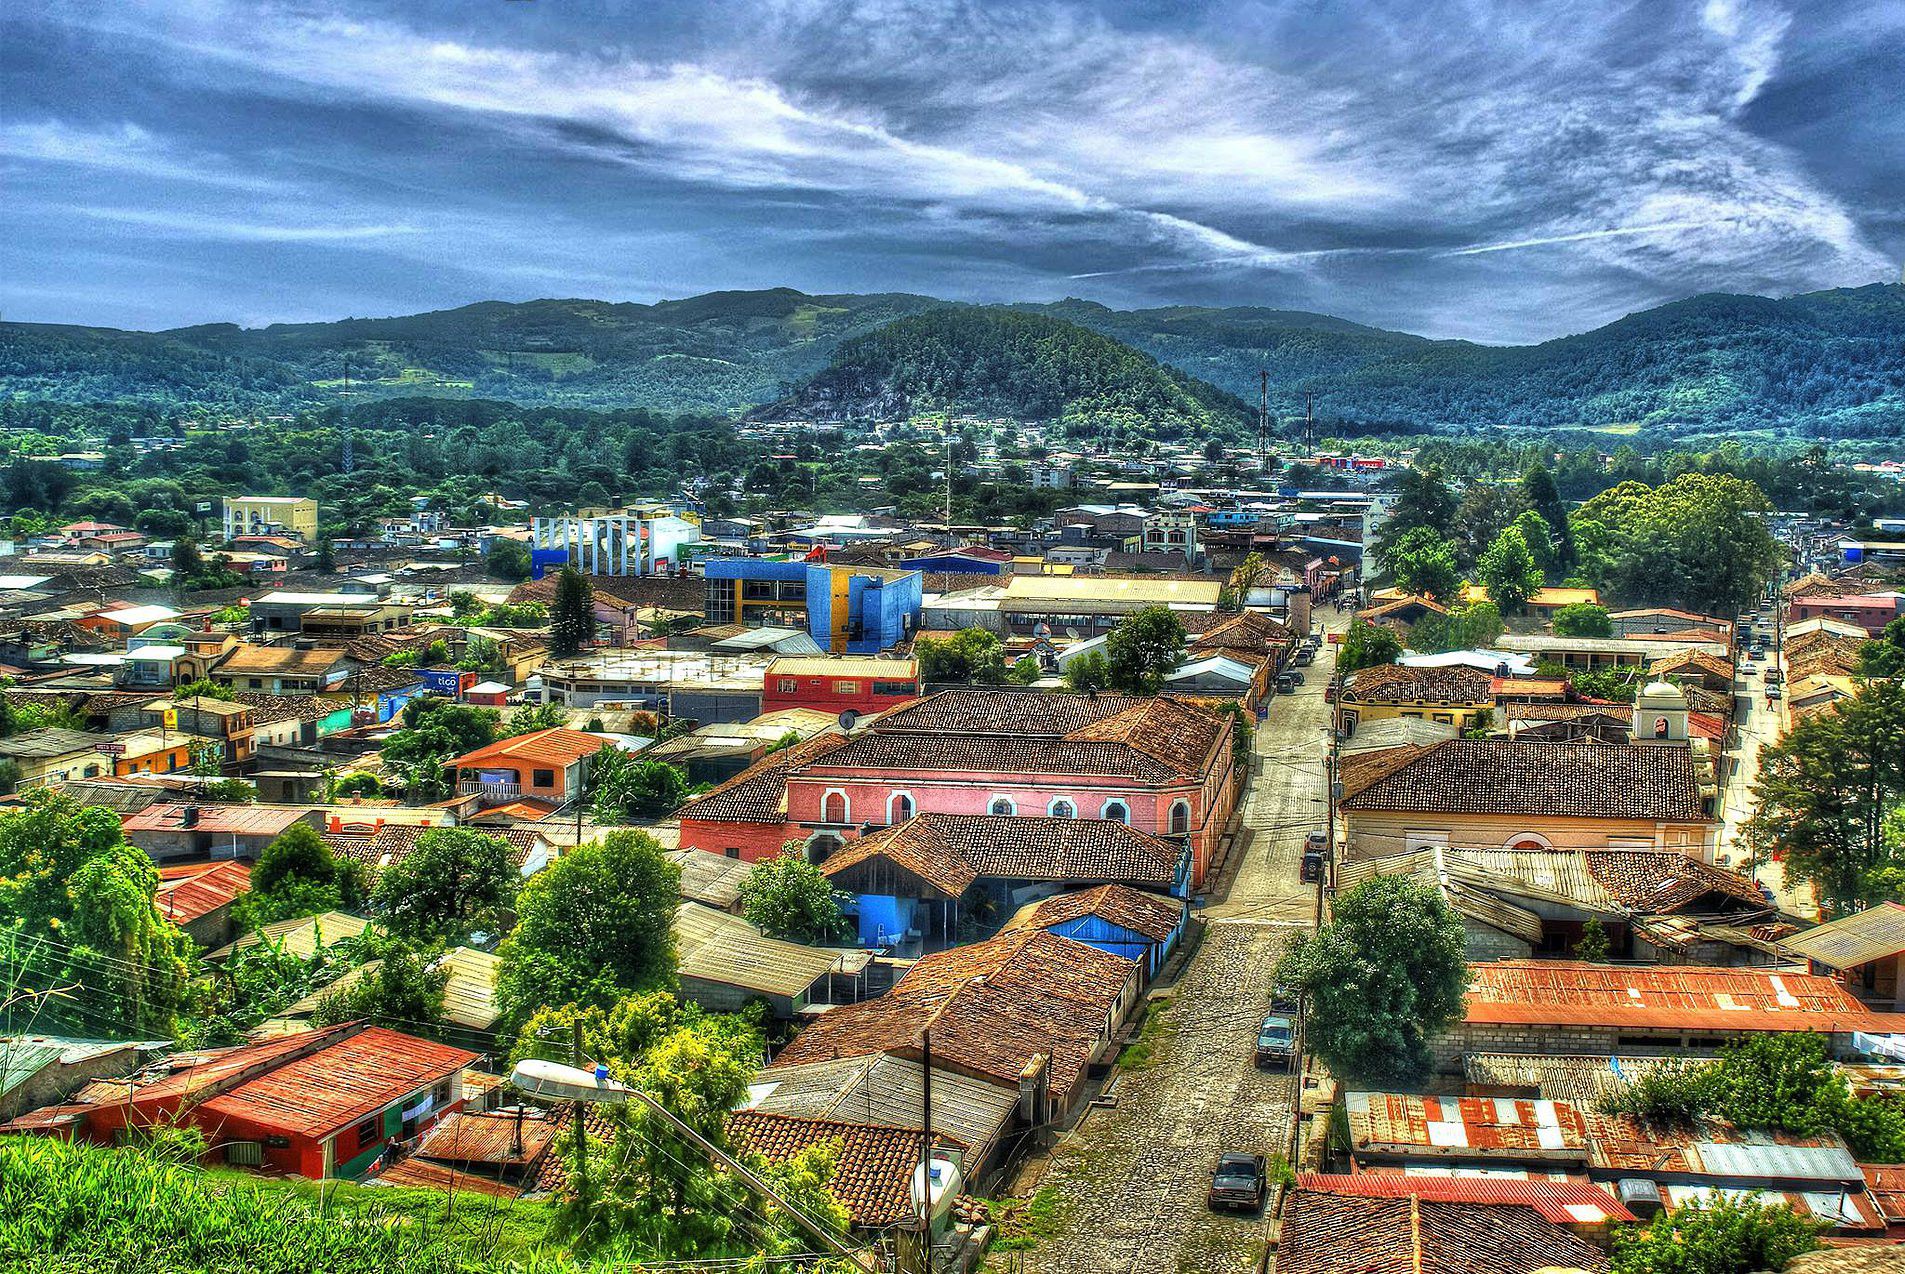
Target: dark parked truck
1239, 1182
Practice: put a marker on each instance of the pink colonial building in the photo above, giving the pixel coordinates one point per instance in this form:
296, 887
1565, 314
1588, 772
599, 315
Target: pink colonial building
1159, 765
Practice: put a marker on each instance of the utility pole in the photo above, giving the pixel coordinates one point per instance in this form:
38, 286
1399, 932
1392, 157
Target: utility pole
1263, 419
581, 1133
1309, 419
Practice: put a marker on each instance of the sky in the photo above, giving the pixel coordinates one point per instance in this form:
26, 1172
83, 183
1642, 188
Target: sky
1502, 172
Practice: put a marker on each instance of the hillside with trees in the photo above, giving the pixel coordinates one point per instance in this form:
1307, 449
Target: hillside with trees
998, 362
1825, 364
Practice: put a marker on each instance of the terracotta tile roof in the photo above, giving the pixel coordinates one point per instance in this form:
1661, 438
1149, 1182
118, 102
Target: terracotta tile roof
1569, 992
1692, 661
758, 794
1571, 780
184, 897
1569, 712
597, 1124
873, 1175
1247, 633
556, 748
1133, 909
1021, 712
950, 851
1691, 617
1407, 1125
342, 1083
992, 1008
394, 842
1563, 1202
1393, 683
1397, 605
1657, 883
269, 709
222, 820
263, 661
879, 750
1168, 730
1338, 1234
1358, 770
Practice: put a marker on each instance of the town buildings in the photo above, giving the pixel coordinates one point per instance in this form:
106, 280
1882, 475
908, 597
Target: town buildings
294, 516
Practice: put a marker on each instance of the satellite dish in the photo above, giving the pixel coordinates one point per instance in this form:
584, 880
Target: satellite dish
1071, 632
849, 719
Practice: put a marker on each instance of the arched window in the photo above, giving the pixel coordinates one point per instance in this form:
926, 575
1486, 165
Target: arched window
1002, 805
834, 807
821, 847
1528, 840
899, 807
1660, 727
1117, 812
1180, 818
1062, 808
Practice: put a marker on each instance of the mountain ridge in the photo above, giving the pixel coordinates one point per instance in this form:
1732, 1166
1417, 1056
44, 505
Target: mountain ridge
1829, 363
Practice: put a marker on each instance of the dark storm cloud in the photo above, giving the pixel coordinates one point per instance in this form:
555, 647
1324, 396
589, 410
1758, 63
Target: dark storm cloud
1494, 171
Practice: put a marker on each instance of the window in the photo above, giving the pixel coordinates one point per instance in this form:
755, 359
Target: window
542, 778
1117, 812
888, 689
787, 685
1180, 818
367, 1133
834, 807
1002, 805
846, 687
899, 807
1062, 808
732, 851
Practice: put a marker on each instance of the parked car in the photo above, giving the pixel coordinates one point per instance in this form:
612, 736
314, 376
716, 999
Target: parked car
1304, 657
1314, 865
1239, 1182
1329, 692
1773, 693
1276, 1041
1287, 683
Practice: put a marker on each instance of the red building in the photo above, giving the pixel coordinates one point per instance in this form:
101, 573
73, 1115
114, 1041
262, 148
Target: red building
845, 684
1160, 765
319, 1104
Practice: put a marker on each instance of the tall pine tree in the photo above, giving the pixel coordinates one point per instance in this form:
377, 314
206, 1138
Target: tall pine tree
571, 614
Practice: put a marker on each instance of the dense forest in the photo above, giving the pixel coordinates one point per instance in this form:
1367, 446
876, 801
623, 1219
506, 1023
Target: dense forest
1004, 363
1822, 365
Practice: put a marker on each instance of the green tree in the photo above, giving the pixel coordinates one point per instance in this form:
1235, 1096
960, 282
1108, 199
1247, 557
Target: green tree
624, 787
1509, 572
571, 614
591, 927
1423, 499
1824, 791
1486, 510
326, 559
962, 658
1592, 946
203, 688
507, 559
1539, 493
1721, 1236
1088, 673
531, 717
1365, 645
1884, 657
1143, 649
1423, 563
78, 917
454, 883
434, 732
402, 989
1696, 542
1535, 534
1583, 619
788, 897
297, 875
1382, 979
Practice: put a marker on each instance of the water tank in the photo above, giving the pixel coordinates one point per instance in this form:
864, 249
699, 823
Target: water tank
947, 1183
1639, 1194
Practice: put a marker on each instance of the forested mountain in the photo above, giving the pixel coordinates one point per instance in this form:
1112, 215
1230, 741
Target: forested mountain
1827, 364
986, 361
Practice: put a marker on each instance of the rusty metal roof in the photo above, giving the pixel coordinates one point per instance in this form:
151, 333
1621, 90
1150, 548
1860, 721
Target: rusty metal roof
341, 1083
1575, 993
496, 1137
1407, 1124
1563, 1202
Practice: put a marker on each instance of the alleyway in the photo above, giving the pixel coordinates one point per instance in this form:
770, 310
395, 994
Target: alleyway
1131, 1179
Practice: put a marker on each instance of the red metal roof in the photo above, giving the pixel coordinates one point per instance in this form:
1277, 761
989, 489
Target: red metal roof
342, 1083
1573, 993
185, 896
1465, 1127
557, 748
1563, 1202
239, 820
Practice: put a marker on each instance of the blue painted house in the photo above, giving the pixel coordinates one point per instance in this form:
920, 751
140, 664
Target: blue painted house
848, 610
1139, 926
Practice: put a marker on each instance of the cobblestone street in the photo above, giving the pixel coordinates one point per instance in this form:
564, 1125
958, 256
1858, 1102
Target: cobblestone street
1131, 1179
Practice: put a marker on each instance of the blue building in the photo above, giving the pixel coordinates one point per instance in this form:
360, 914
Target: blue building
1126, 922
847, 610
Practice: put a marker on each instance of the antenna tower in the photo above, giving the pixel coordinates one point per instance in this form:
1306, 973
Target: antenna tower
1263, 418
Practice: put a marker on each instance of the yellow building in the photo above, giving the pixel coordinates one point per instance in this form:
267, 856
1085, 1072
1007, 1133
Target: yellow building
1544, 601
271, 515
1457, 695
1511, 794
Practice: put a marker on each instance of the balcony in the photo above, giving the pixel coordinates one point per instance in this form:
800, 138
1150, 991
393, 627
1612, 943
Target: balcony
494, 792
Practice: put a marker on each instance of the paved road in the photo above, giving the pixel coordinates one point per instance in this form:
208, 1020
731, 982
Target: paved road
1762, 726
1131, 1179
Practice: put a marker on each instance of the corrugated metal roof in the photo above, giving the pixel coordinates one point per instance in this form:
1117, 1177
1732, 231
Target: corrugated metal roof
844, 666
469, 996
341, 1083
1574, 993
1563, 1202
1581, 1079
302, 937
1398, 1124
717, 947
884, 1089
1850, 941
223, 820
489, 1137
1718, 1151
1787, 1163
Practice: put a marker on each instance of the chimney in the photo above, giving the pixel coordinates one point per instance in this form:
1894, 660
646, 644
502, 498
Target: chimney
188, 817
